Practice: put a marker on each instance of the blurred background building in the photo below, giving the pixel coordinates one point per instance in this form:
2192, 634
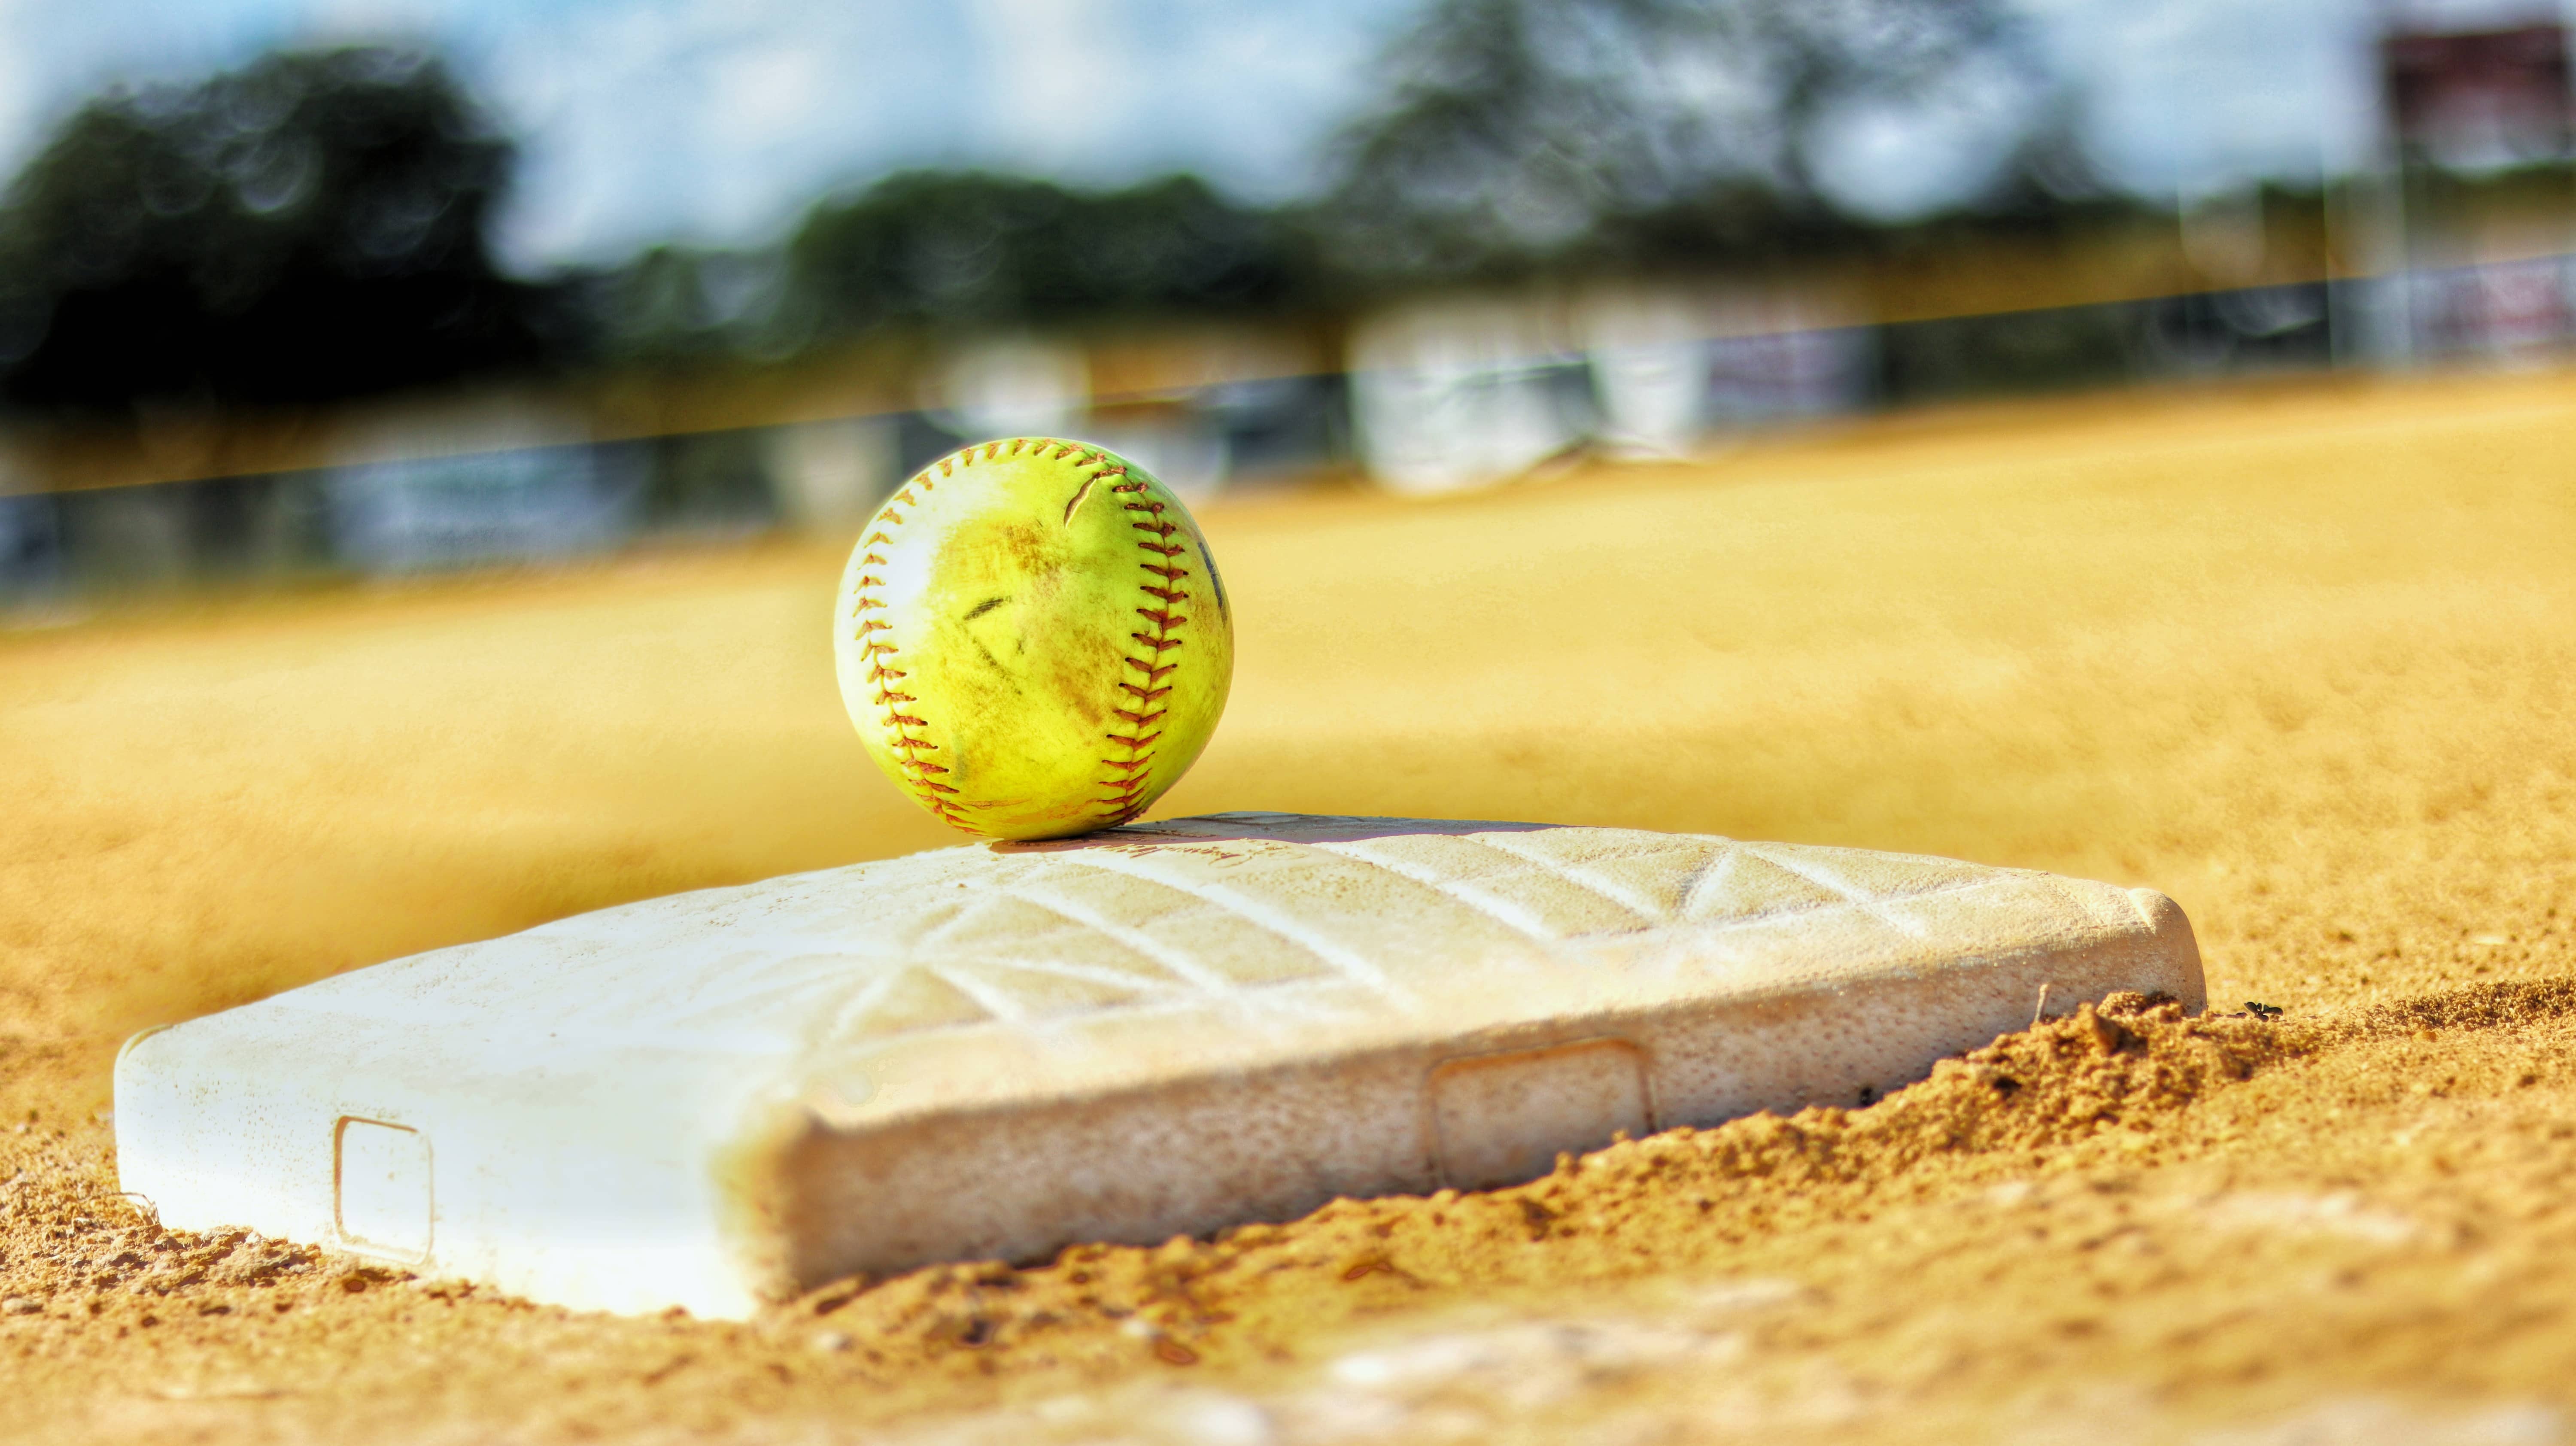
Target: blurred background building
291, 290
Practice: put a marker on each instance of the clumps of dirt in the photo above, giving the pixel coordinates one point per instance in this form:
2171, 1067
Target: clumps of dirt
2505, 1005
2102, 1086
86, 1259
2083, 1101
2105, 1077
2124, 1065
72, 1245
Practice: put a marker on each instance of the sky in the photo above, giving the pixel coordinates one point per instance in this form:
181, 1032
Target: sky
719, 121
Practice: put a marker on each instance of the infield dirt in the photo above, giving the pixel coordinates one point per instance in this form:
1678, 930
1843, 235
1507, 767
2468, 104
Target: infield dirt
2302, 656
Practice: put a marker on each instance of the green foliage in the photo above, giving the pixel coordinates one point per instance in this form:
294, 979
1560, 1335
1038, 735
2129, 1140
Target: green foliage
932, 247
309, 227
1524, 134
677, 303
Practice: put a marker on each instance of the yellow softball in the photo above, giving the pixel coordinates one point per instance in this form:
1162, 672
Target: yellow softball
1032, 639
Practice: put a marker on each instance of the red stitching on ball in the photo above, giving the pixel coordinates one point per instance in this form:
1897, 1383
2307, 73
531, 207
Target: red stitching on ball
933, 795
1125, 788
1130, 774
917, 770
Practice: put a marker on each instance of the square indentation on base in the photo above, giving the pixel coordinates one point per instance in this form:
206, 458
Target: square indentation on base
382, 1172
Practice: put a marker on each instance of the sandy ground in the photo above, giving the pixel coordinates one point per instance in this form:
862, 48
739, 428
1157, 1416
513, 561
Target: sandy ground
2302, 656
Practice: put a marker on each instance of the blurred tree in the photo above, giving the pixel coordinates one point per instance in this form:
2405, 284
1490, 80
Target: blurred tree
1521, 132
679, 303
308, 228
952, 247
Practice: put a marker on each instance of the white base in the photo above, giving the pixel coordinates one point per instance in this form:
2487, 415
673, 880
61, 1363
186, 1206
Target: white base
717, 1098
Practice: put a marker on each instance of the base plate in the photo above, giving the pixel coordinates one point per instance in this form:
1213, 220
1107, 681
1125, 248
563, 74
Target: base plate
992, 1051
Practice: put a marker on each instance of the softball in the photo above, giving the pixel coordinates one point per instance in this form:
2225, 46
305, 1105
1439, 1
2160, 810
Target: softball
1032, 639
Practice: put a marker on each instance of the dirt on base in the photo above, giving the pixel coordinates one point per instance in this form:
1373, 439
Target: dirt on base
2304, 658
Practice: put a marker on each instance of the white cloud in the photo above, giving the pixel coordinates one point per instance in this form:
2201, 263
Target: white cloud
1894, 161
1264, 87
1058, 79
21, 111
2194, 96
689, 119
53, 56
720, 120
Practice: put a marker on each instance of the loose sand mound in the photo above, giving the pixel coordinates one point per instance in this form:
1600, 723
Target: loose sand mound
2301, 658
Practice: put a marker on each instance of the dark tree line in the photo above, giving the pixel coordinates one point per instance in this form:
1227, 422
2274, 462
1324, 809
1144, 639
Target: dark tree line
937, 247
1522, 135
309, 228
929, 248
316, 226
